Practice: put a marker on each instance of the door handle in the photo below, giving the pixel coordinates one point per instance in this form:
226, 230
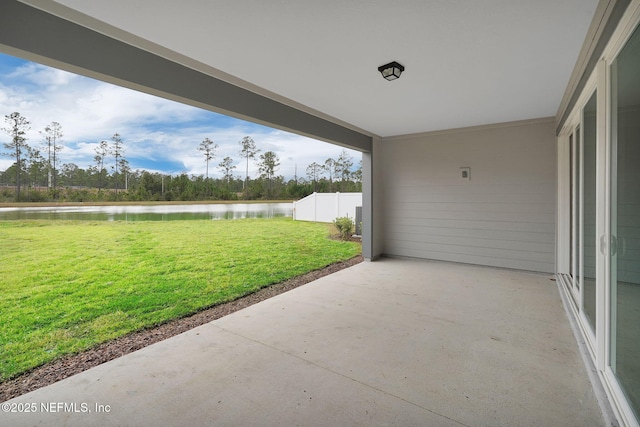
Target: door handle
613, 245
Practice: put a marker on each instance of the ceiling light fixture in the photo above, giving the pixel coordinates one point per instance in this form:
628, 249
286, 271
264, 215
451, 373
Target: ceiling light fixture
391, 71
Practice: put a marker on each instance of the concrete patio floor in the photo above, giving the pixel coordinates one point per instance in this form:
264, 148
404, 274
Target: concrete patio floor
392, 342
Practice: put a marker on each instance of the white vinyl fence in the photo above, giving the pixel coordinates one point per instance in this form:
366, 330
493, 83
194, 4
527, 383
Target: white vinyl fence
325, 207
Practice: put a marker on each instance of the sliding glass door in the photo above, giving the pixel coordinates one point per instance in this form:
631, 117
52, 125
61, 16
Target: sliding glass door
624, 334
599, 226
582, 213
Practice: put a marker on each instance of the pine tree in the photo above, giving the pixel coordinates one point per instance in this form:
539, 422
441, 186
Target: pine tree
248, 151
208, 149
52, 136
17, 128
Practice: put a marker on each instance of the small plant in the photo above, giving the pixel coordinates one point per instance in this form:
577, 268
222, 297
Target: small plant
344, 226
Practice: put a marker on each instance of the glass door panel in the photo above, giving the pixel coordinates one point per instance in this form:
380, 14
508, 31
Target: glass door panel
624, 337
577, 212
573, 202
589, 211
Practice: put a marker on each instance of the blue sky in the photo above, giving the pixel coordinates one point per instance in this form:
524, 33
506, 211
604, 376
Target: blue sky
159, 135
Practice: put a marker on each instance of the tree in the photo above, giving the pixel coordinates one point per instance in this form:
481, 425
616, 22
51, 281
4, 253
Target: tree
267, 167
118, 152
101, 153
357, 176
52, 136
124, 170
329, 167
151, 186
313, 172
343, 168
248, 151
298, 189
182, 187
36, 166
226, 167
208, 149
72, 175
17, 127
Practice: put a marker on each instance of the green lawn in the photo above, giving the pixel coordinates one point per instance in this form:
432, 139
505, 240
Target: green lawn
66, 286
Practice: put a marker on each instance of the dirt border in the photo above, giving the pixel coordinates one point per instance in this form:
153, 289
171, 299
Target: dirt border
70, 365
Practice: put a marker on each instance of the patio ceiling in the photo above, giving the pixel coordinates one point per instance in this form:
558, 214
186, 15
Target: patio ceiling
467, 62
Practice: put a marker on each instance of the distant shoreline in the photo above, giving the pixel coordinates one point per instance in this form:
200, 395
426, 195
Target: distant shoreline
133, 203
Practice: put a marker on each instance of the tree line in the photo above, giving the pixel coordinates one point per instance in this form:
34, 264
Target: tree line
38, 175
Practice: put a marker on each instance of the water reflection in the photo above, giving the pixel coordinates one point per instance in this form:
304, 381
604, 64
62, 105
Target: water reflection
150, 212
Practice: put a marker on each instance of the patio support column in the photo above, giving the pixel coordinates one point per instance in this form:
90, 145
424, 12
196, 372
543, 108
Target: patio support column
371, 201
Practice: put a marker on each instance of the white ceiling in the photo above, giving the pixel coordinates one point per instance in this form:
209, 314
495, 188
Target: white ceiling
468, 62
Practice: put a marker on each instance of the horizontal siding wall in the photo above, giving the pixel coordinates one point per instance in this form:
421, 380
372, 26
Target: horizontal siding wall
504, 216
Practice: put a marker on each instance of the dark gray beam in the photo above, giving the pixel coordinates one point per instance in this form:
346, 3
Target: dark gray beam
36, 32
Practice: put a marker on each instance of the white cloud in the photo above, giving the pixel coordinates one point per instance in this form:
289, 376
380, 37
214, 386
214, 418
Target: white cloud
43, 76
153, 128
5, 163
87, 109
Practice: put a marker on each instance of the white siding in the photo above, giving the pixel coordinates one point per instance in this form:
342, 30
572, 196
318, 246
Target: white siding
503, 216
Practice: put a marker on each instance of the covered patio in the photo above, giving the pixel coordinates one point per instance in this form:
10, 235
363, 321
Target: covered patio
395, 342
510, 142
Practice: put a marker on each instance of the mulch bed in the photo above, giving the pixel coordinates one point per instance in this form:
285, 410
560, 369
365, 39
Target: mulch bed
71, 365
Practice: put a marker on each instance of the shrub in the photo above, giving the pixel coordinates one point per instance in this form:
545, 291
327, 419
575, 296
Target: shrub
78, 195
6, 196
33, 196
344, 226
54, 193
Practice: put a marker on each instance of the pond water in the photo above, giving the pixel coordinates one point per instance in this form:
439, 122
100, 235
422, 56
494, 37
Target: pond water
212, 211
